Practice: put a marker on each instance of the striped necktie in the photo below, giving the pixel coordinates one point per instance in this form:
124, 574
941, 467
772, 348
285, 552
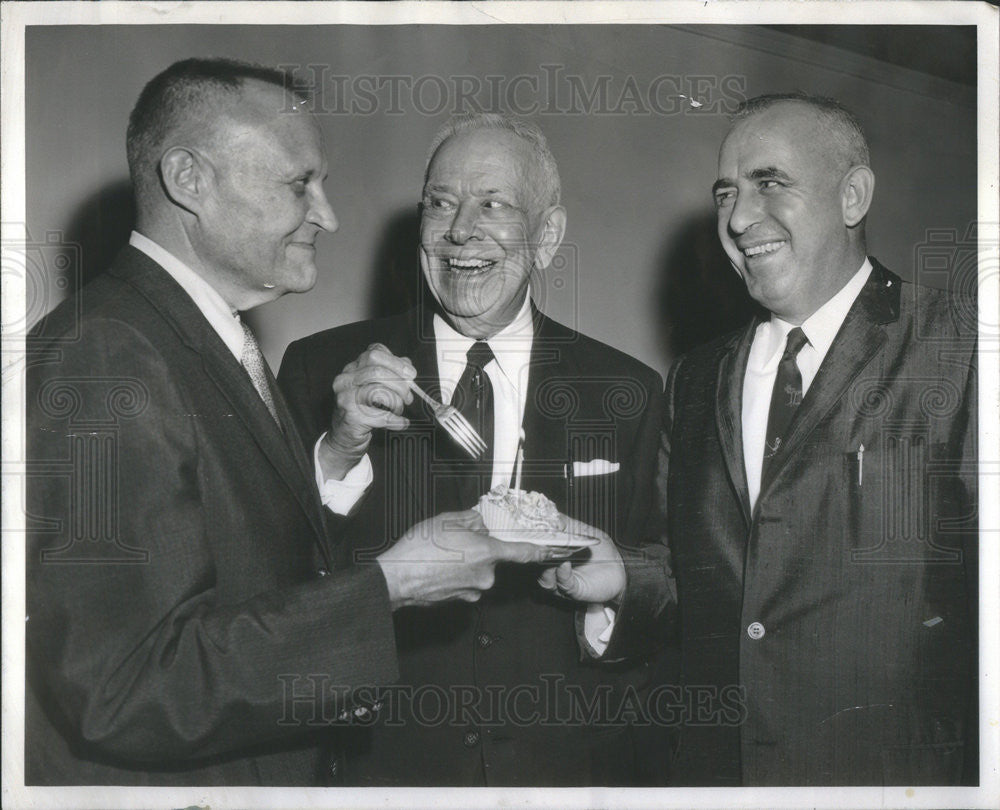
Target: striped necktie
785, 397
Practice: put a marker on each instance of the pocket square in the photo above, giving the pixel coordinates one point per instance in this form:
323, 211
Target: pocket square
598, 466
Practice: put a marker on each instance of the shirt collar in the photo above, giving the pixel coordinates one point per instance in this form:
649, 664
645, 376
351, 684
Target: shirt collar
222, 317
511, 346
822, 326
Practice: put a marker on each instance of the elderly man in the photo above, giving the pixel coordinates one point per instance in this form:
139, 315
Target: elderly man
186, 621
495, 692
819, 473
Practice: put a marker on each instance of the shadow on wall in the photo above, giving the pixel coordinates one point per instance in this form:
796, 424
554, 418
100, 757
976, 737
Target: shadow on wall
700, 294
101, 227
397, 283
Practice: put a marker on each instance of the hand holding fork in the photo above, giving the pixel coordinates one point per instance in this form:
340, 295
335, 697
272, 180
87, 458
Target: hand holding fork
371, 393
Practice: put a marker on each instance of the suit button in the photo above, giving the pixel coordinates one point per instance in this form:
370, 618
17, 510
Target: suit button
335, 769
484, 640
322, 572
471, 739
755, 631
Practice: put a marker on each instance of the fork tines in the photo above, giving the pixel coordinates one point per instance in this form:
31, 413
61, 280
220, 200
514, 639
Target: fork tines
456, 425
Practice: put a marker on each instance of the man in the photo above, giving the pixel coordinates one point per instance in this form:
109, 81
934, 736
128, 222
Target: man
818, 469
186, 621
494, 694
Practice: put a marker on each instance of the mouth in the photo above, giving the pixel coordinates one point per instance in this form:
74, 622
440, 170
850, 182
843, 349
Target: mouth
305, 245
469, 266
762, 249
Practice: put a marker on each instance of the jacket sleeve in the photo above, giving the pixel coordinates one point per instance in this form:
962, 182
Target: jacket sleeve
131, 643
644, 620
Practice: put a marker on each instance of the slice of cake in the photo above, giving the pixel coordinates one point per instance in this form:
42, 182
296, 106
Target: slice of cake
505, 510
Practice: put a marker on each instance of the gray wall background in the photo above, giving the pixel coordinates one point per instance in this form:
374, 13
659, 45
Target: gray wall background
640, 268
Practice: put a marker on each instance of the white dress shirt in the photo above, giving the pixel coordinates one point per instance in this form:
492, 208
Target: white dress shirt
768, 345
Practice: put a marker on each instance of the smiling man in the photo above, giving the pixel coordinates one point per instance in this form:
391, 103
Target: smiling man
187, 621
819, 472
492, 693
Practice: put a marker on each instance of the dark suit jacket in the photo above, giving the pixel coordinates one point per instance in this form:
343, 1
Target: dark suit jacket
585, 401
859, 568
176, 543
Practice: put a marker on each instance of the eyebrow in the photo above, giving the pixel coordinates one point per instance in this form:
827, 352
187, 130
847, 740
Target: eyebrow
768, 173
765, 173
722, 182
488, 191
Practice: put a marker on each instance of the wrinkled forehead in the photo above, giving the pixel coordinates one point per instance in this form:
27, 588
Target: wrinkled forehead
480, 158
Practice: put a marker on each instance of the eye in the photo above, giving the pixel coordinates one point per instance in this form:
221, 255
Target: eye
724, 197
763, 185
438, 205
299, 185
494, 204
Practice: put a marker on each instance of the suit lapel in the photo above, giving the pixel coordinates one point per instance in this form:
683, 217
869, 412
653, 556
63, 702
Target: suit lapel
859, 338
546, 439
729, 411
406, 452
283, 450
286, 456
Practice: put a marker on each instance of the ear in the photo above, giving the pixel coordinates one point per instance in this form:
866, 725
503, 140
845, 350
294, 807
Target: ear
186, 177
856, 192
553, 229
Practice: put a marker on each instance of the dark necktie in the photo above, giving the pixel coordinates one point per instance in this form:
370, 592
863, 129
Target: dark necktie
474, 398
785, 397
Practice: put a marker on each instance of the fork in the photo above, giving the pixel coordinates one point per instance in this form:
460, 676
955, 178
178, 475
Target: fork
452, 420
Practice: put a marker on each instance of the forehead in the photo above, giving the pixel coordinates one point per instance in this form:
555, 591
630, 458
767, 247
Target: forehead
263, 125
482, 157
787, 135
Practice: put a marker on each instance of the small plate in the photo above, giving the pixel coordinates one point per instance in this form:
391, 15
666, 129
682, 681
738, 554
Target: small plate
554, 539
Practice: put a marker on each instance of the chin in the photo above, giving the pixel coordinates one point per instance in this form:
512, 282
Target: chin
302, 281
462, 311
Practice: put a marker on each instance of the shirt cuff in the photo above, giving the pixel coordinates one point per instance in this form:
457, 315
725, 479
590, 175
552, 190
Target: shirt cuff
341, 496
598, 624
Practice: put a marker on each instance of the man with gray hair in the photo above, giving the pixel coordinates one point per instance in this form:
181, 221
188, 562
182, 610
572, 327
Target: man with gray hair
492, 693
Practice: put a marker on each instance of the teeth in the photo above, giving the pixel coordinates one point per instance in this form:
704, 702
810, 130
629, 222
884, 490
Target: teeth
468, 264
757, 250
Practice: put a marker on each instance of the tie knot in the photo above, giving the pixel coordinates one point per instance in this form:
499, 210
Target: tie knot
479, 354
795, 341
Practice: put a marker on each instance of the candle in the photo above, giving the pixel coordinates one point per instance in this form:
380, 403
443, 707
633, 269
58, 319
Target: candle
517, 463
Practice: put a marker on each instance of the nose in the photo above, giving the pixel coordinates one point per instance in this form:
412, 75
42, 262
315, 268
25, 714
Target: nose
321, 212
464, 226
745, 213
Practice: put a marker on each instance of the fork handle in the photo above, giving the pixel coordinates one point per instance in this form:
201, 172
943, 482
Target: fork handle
416, 389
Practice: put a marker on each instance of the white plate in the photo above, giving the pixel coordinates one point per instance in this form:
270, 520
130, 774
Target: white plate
555, 539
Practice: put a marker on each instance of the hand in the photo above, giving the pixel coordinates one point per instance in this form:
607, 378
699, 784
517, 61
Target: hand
371, 393
600, 578
450, 556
